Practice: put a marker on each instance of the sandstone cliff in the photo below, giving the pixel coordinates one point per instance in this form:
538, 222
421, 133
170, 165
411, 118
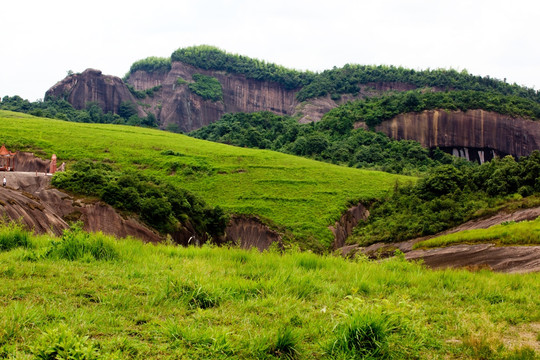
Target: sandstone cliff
474, 134
92, 86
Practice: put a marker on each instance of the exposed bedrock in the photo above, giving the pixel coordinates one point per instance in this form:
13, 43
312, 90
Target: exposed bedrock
249, 232
174, 104
30, 199
92, 86
343, 228
475, 134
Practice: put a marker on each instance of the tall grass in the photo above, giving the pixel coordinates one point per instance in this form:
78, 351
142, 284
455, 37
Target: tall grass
162, 301
76, 244
12, 235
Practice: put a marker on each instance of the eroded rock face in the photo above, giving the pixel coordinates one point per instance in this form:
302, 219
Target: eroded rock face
174, 103
249, 232
343, 228
92, 86
30, 199
475, 134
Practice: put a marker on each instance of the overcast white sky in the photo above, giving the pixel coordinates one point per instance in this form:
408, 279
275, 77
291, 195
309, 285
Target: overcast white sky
41, 40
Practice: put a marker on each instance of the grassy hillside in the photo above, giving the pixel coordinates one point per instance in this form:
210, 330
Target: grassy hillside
91, 297
301, 195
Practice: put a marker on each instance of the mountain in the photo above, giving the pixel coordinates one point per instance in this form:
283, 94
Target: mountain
197, 85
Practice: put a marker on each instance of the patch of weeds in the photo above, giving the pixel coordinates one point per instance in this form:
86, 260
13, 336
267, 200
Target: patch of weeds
364, 335
310, 261
13, 235
76, 244
285, 344
63, 344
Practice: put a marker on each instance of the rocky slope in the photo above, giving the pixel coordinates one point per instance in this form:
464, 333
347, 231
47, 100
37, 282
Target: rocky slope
511, 259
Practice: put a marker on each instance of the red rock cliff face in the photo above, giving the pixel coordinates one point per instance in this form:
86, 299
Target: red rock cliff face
174, 103
91, 86
474, 129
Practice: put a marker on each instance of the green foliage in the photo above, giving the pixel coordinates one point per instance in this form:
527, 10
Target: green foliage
207, 87
363, 336
76, 244
60, 344
60, 109
150, 64
161, 301
448, 196
326, 141
13, 235
141, 94
161, 205
299, 197
211, 58
285, 344
346, 80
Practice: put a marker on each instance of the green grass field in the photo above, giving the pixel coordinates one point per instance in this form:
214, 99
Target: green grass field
510, 233
93, 297
301, 195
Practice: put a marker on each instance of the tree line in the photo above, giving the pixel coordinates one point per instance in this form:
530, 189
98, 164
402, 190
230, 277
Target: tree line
55, 108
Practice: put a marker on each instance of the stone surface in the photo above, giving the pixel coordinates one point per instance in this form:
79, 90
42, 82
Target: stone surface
343, 228
478, 131
30, 199
248, 232
92, 86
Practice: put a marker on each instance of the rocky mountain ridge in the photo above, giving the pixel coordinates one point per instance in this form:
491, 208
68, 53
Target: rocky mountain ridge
477, 134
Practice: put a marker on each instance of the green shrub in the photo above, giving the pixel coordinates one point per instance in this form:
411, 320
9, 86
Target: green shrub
365, 335
207, 87
13, 235
63, 345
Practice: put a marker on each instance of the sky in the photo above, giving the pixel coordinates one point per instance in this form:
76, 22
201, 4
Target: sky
41, 41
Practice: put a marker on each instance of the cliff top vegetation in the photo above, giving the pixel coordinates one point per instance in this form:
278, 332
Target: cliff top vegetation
335, 81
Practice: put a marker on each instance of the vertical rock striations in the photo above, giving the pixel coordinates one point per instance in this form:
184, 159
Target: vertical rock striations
474, 134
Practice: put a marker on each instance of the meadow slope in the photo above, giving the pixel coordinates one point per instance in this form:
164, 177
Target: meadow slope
94, 297
301, 196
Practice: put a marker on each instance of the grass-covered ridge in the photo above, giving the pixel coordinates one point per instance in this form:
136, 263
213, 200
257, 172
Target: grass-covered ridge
509, 233
94, 297
304, 196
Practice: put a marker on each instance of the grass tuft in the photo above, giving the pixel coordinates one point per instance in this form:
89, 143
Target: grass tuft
63, 344
363, 336
13, 235
285, 344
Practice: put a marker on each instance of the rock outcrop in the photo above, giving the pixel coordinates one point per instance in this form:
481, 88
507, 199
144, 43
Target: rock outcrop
30, 199
92, 86
343, 228
249, 232
474, 134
